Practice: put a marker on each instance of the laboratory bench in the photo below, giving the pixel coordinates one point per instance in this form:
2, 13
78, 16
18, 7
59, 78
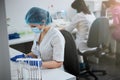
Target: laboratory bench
47, 74
22, 44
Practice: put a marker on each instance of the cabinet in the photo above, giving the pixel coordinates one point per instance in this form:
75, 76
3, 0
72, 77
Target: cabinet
22, 44
23, 47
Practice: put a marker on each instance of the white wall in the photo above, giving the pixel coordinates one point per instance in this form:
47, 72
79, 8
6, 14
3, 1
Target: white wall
16, 9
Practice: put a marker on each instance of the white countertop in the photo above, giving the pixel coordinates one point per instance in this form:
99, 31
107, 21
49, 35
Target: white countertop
47, 74
22, 39
25, 39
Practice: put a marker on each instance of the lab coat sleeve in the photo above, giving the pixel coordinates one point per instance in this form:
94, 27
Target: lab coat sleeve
74, 22
33, 46
58, 44
33, 49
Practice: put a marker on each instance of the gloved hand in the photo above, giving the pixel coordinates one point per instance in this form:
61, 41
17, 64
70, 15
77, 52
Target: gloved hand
30, 62
34, 63
14, 59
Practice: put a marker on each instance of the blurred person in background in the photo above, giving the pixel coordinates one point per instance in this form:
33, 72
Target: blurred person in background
82, 22
114, 8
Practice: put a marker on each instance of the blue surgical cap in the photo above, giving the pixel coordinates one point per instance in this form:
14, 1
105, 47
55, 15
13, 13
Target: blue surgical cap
38, 16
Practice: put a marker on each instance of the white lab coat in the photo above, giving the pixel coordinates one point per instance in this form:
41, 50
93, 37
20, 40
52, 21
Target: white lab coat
82, 22
51, 47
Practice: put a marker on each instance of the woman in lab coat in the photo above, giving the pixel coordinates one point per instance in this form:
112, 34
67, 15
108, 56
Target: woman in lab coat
49, 43
82, 22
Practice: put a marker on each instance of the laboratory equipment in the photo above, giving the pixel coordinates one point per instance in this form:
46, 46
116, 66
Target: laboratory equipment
14, 35
29, 69
60, 15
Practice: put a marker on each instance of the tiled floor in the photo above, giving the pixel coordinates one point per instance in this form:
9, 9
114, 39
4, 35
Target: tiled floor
108, 64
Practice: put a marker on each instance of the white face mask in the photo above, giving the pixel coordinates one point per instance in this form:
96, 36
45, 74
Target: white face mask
37, 30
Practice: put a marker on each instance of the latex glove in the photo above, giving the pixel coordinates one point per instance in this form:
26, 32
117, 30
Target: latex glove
14, 59
34, 63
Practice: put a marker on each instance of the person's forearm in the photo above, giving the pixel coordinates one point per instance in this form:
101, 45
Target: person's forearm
31, 54
51, 64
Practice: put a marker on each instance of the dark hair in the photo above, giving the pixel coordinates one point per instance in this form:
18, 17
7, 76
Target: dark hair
80, 6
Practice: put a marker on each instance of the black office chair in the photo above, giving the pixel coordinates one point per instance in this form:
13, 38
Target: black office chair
99, 36
71, 63
71, 60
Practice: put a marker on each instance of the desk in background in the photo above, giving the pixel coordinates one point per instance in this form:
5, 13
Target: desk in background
47, 74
